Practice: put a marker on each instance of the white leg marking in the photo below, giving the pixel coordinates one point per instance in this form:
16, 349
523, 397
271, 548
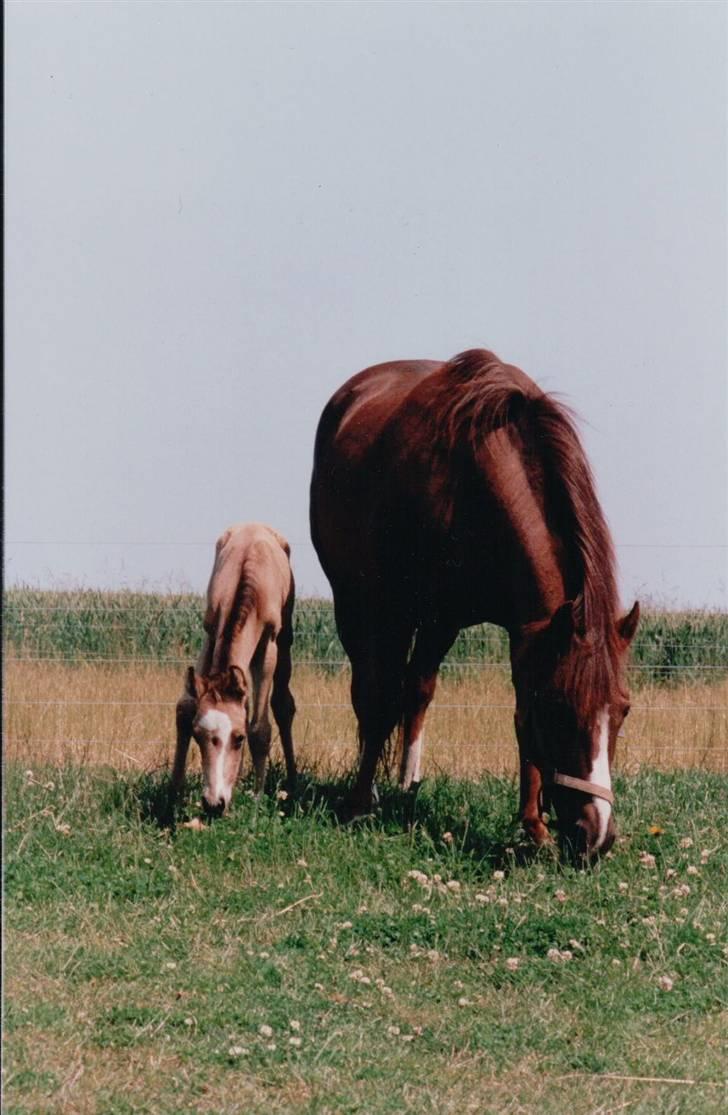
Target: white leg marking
600, 773
413, 761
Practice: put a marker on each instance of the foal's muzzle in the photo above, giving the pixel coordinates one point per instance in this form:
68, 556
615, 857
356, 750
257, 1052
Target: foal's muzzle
213, 809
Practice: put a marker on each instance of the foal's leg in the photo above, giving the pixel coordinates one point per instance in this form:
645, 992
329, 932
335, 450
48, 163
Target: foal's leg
531, 810
262, 669
282, 702
431, 646
184, 734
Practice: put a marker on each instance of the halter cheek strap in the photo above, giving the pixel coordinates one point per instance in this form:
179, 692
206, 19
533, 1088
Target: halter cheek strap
592, 788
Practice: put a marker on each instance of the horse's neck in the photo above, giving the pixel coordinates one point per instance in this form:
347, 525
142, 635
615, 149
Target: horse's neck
535, 562
241, 648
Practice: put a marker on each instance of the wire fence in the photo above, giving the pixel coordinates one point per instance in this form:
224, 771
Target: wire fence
98, 674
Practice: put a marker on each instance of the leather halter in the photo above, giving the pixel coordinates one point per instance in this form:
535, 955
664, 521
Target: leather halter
581, 784
553, 777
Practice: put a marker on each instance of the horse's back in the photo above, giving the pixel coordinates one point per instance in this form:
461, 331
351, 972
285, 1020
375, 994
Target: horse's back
348, 433
356, 413
253, 553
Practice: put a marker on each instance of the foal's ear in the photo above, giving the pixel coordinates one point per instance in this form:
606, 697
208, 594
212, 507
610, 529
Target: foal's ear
236, 685
627, 625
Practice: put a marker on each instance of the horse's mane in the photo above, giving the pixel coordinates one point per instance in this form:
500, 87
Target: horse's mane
244, 603
484, 394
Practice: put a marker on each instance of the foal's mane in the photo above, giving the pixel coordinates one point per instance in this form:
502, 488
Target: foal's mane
481, 394
244, 603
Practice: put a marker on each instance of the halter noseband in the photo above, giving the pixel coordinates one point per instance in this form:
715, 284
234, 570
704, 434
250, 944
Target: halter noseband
553, 777
571, 783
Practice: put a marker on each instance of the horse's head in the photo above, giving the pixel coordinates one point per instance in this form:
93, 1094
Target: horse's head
571, 700
217, 707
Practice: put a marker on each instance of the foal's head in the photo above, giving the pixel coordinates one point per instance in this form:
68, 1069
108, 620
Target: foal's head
218, 710
571, 701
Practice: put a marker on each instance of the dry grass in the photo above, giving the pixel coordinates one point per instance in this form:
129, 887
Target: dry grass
123, 714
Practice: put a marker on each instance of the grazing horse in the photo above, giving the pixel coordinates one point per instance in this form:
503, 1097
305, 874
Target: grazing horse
450, 494
247, 653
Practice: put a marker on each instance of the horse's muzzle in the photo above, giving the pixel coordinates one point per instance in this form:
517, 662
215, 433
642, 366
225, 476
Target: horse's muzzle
214, 809
582, 841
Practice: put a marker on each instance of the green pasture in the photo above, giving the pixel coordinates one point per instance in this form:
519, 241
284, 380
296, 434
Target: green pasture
277, 961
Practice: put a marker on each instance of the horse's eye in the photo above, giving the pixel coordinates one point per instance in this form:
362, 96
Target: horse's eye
238, 741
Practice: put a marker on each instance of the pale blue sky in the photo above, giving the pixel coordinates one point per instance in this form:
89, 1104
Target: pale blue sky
215, 213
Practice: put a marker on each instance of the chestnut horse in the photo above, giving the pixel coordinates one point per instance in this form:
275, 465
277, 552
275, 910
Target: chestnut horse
244, 666
451, 494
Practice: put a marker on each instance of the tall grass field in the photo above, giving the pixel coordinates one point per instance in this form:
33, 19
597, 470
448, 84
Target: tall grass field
425, 960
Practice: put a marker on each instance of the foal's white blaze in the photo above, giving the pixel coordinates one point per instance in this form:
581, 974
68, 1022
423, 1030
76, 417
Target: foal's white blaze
218, 724
599, 772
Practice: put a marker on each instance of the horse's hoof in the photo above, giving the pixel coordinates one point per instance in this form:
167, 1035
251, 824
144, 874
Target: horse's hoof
358, 819
537, 832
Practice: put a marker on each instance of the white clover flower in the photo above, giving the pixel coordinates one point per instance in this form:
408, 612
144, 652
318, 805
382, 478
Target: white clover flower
512, 963
665, 983
265, 1031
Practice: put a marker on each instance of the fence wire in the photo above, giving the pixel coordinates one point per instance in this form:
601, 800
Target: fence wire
677, 672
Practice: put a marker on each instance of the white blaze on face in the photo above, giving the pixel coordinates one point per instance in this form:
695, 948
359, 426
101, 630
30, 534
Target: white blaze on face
215, 723
599, 772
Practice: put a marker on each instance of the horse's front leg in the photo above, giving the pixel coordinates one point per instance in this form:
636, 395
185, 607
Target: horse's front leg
184, 734
431, 646
531, 811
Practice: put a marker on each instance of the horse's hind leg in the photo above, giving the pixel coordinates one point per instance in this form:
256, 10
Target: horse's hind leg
376, 692
282, 702
431, 646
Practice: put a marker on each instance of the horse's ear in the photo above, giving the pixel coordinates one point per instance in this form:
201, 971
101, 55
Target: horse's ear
236, 684
562, 627
192, 684
627, 625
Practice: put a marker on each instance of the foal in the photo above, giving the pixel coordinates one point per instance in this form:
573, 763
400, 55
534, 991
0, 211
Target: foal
244, 666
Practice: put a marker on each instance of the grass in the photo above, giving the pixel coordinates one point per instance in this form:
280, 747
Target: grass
277, 962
